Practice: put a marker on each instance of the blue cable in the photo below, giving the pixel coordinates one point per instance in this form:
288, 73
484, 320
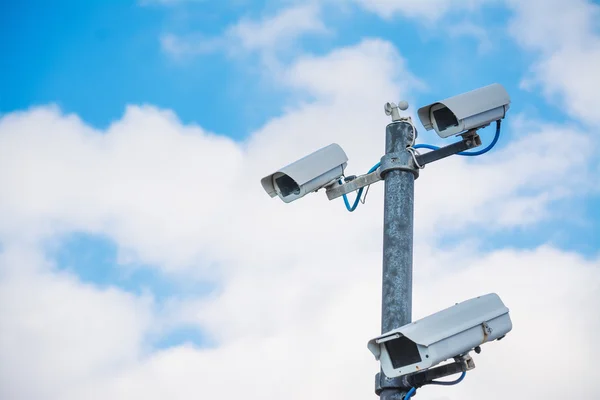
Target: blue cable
465, 153
459, 380
374, 168
425, 146
410, 393
360, 192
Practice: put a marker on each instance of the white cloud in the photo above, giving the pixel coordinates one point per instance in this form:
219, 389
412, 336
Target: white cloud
427, 11
347, 75
59, 333
280, 29
289, 275
272, 33
567, 45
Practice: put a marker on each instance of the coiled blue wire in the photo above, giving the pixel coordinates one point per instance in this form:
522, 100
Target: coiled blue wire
360, 192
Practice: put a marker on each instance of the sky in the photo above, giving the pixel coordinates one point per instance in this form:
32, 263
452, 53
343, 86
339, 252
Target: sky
141, 258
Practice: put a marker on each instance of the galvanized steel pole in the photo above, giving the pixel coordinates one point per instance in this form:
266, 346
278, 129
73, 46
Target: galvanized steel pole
399, 174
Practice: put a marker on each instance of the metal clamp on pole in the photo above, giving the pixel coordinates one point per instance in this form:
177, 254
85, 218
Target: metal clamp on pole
399, 161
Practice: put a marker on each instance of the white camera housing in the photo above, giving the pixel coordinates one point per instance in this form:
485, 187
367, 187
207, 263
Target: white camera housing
441, 336
309, 174
471, 110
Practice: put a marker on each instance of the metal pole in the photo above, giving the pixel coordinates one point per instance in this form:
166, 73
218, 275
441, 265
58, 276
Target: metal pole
399, 175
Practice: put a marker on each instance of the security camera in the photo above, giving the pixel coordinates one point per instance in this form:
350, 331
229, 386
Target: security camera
315, 171
447, 334
471, 110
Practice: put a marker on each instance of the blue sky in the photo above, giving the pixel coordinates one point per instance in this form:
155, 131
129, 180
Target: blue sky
134, 136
